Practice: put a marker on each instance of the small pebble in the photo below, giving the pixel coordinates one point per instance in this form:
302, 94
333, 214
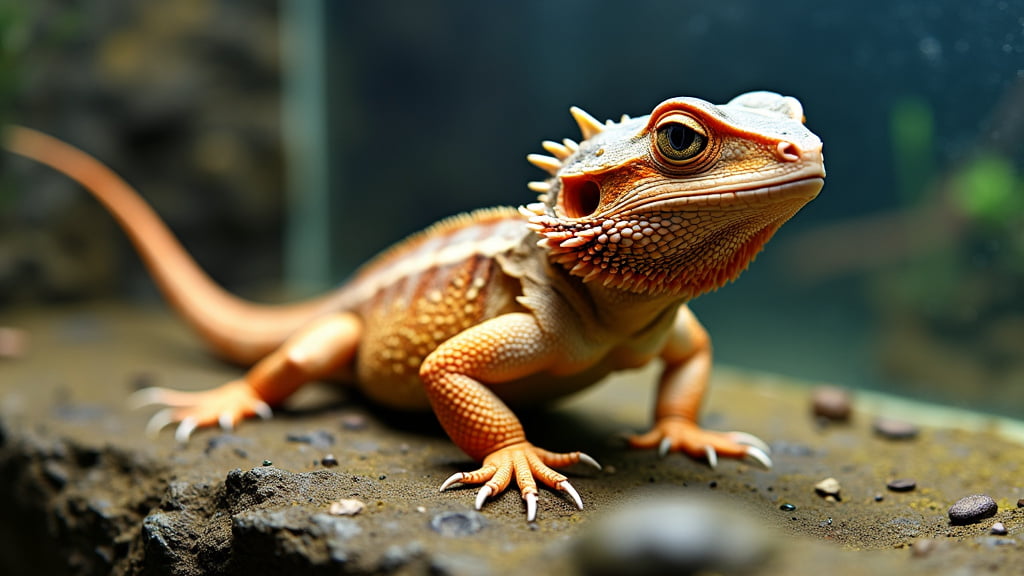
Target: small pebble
901, 485
317, 438
329, 460
787, 507
895, 429
831, 403
829, 488
1020, 503
347, 507
456, 524
998, 529
879, 497
268, 463
971, 509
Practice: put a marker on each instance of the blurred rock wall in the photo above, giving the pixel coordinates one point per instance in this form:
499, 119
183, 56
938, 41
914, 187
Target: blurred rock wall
180, 97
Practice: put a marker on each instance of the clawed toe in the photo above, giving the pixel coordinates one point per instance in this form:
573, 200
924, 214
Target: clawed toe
528, 465
531, 506
758, 457
568, 489
482, 496
224, 406
664, 447
159, 421
586, 459
265, 412
750, 440
185, 429
147, 397
712, 456
677, 434
453, 479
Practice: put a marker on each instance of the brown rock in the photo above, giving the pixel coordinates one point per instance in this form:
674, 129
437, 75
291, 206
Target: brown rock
832, 403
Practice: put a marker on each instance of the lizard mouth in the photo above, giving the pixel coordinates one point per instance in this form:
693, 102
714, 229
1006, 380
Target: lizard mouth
801, 190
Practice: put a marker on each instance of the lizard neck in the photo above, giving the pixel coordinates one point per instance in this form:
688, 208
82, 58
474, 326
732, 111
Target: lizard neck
629, 312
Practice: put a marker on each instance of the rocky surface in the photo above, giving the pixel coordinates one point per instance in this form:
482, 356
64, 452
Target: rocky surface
83, 491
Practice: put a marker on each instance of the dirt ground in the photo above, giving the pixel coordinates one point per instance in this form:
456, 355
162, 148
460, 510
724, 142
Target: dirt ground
84, 491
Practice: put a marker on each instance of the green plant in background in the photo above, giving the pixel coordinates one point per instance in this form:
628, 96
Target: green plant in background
970, 216
988, 191
930, 278
912, 132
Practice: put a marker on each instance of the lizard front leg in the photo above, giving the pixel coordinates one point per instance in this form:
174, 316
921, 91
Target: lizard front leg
319, 350
687, 357
505, 348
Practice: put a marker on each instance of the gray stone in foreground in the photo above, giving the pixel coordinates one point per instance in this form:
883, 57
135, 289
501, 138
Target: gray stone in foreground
674, 534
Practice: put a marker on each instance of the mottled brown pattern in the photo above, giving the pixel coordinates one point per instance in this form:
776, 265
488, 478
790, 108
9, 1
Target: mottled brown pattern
414, 312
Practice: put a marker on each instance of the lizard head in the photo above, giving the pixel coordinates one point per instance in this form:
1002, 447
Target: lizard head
678, 202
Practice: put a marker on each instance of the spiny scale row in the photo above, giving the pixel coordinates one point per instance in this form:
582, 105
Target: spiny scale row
589, 127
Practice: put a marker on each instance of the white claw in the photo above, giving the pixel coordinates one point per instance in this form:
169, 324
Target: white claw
712, 455
263, 410
568, 489
664, 447
224, 420
145, 397
531, 507
757, 456
482, 496
185, 429
750, 440
586, 459
159, 421
457, 477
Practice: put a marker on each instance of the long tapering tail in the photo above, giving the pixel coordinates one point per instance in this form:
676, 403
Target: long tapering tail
236, 329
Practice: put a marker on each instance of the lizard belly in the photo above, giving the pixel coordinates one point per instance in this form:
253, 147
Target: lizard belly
545, 387
402, 389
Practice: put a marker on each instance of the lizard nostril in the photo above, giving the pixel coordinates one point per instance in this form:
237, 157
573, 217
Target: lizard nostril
787, 151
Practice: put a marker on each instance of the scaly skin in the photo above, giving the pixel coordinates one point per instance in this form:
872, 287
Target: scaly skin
502, 307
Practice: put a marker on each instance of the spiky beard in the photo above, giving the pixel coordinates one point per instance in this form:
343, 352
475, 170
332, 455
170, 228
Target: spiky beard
679, 254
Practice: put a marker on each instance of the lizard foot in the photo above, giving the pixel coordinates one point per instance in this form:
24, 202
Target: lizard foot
677, 434
225, 405
528, 464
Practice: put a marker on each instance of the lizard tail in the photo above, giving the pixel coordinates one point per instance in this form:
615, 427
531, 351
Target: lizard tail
239, 330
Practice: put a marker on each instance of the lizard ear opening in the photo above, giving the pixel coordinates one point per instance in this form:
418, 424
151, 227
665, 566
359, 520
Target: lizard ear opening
579, 198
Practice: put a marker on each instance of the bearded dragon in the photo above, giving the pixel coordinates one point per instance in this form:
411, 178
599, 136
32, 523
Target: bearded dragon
501, 307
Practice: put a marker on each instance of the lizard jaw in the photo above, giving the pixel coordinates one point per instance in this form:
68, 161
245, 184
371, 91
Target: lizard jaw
681, 247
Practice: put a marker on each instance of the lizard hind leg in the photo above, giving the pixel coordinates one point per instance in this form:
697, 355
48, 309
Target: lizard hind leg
320, 350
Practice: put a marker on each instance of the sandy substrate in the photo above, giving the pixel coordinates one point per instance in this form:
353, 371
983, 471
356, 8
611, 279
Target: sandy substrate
83, 491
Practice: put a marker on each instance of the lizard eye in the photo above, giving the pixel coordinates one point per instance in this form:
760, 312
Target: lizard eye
679, 138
